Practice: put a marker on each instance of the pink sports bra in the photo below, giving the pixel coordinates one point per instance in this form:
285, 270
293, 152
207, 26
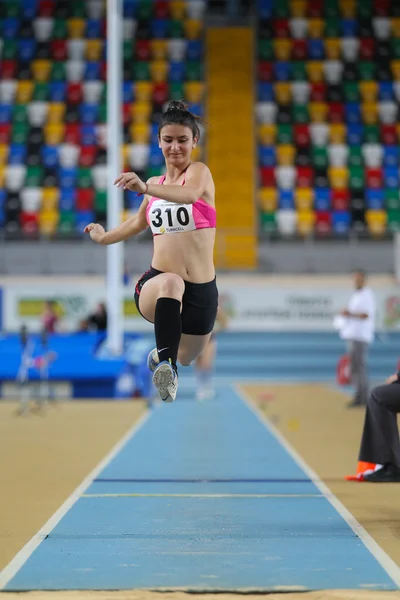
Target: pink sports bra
169, 217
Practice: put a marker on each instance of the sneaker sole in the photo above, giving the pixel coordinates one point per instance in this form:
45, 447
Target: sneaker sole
151, 363
163, 378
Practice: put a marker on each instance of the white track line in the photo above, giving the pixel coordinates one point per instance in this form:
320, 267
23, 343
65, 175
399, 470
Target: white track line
20, 559
384, 559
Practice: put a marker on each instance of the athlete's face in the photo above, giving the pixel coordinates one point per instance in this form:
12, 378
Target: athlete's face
176, 143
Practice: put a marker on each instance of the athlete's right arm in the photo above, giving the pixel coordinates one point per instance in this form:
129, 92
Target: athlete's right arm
127, 229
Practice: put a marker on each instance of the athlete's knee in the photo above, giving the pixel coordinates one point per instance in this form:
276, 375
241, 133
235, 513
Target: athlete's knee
185, 358
171, 286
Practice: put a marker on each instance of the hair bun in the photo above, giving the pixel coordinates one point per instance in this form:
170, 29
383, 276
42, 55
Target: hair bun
176, 105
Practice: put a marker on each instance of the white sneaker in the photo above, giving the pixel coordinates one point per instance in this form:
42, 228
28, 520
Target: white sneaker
165, 380
152, 360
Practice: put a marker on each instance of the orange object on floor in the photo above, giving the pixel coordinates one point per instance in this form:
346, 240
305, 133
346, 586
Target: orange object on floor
343, 370
362, 467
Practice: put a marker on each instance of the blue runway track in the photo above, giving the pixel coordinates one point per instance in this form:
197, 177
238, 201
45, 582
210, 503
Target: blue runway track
203, 497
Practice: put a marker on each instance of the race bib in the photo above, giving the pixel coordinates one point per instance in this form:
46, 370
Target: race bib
169, 217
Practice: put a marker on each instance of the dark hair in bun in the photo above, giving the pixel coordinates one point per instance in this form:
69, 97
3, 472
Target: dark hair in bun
177, 113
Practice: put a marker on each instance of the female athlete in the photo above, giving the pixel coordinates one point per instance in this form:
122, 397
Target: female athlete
179, 292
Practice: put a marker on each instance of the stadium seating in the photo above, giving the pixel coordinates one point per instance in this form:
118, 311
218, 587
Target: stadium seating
327, 114
53, 111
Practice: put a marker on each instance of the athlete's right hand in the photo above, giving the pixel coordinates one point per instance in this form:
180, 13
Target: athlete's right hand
95, 231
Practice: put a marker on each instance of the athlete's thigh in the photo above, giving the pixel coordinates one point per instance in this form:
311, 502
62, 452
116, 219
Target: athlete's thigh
191, 346
206, 358
150, 292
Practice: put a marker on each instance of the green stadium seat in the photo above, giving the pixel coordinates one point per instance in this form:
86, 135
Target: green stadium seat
268, 221
367, 70
41, 91
392, 199
34, 176
300, 113
141, 71
351, 91
284, 134
265, 50
393, 220
332, 27
371, 134
175, 29
58, 71
19, 113
355, 158
319, 156
299, 71
60, 29
356, 178
19, 133
84, 177
9, 49
100, 201
176, 91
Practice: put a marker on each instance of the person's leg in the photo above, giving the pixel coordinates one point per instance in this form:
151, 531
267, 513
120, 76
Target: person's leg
160, 301
359, 378
204, 370
380, 439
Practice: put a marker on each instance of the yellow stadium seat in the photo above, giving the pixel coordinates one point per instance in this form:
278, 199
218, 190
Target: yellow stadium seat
197, 153
318, 111
141, 112
268, 199
158, 49
369, 111
283, 92
395, 28
143, 90
304, 199
177, 9
376, 221
2, 175
50, 197
4, 154
282, 48
285, 154
140, 133
332, 48
194, 91
41, 69
125, 150
193, 29
337, 133
348, 9
159, 70
395, 66
24, 91
94, 49
368, 90
315, 70
76, 28
48, 221
54, 133
316, 28
305, 222
267, 134
338, 177
56, 112
298, 8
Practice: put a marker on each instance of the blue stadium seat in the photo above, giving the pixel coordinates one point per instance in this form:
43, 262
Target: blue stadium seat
93, 29
283, 70
68, 177
267, 156
349, 28
3, 197
390, 156
92, 71
316, 49
88, 135
49, 155
17, 154
29, 9
129, 9
156, 156
10, 28
57, 91
265, 92
194, 50
127, 92
133, 200
265, 8
2, 216
322, 199
385, 92
154, 133
355, 133
26, 49
176, 71
340, 222
353, 113
286, 200
5, 113
391, 177
67, 198
159, 28
375, 199
88, 113
197, 109
83, 217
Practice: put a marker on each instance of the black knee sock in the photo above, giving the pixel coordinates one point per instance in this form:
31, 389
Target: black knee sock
168, 328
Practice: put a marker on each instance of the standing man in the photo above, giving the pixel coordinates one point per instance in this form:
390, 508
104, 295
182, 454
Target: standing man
359, 330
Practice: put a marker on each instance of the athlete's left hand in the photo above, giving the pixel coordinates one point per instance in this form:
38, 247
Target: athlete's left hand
131, 181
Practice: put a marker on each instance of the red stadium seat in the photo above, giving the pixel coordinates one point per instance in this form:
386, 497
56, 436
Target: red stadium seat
374, 178
340, 199
265, 71
301, 135
161, 9
46, 8
323, 224
143, 50
84, 199
74, 93
267, 176
299, 49
388, 134
281, 28
88, 156
5, 133
160, 92
305, 177
367, 49
9, 69
316, 8
72, 134
58, 49
318, 92
29, 222
336, 112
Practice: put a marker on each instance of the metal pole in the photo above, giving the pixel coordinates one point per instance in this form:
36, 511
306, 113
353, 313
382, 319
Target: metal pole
115, 252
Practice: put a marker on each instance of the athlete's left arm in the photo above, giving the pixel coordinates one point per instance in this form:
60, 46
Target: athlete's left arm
197, 177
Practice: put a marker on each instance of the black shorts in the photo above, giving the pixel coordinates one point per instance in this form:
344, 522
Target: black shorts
199, 304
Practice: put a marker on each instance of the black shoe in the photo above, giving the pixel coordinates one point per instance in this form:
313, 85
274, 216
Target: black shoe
354, 403
388, 474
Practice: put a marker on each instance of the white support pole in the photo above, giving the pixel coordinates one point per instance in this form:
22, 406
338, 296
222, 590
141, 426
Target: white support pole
115, 252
